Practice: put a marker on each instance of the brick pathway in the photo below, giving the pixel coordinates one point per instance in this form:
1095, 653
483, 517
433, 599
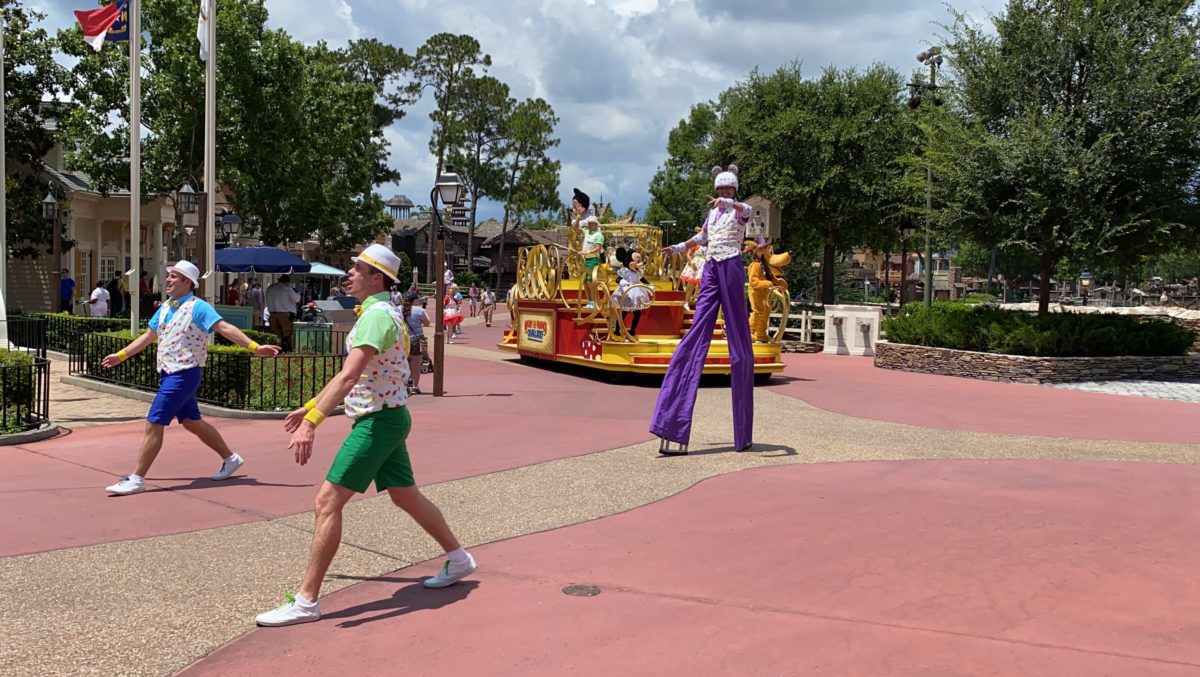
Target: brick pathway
75, 407
1186, 391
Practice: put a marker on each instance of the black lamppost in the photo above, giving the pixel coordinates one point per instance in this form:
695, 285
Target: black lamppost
906, 229
52, 213
450, 189
185, 203
931, 57
230, 225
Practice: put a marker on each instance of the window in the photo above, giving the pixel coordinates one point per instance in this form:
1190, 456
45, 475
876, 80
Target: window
108, 268
85, 269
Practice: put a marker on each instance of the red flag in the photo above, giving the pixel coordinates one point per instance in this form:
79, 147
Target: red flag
95, 23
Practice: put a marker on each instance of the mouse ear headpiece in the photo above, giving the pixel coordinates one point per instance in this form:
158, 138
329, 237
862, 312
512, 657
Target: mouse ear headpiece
725, 178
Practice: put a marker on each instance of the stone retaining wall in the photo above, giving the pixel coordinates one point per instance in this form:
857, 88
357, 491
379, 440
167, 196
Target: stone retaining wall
1019, 369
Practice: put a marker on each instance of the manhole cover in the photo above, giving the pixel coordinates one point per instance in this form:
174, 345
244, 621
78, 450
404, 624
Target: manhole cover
581, 590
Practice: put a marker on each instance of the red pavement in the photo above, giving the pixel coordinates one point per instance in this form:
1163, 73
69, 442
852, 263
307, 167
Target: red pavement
856, 387
549, 407
495, 417
933, 567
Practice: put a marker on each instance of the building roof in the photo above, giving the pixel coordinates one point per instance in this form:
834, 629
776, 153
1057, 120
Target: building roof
524, 237
399, 201
77, 181
410, 227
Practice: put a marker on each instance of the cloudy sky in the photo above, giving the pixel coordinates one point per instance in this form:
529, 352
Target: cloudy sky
620, 74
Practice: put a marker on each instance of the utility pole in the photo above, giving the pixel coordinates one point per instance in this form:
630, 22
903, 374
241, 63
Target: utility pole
931, 57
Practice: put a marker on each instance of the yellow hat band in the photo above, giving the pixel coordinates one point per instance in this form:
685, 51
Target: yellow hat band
366, 258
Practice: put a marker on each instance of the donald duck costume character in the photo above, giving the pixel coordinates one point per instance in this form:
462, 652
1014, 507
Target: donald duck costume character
722, 288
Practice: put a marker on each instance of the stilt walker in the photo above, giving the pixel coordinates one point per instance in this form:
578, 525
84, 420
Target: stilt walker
723, 287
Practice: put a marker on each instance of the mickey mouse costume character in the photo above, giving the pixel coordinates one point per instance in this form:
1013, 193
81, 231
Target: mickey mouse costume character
722, 288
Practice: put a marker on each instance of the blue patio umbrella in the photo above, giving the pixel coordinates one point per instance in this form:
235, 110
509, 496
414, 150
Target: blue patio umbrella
259, 260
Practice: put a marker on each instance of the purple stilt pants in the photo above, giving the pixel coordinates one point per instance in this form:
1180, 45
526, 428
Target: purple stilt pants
723, 287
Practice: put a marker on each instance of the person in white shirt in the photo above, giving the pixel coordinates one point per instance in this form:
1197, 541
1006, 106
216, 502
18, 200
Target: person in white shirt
99, 302
281, 309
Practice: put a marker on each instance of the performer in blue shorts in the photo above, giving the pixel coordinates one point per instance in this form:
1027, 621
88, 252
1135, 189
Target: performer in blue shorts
182, 326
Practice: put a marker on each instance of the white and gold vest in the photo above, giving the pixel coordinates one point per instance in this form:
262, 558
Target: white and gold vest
181, 344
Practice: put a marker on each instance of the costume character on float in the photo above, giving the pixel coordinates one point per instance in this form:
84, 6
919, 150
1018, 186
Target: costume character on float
631, 296
722, 288
766, 273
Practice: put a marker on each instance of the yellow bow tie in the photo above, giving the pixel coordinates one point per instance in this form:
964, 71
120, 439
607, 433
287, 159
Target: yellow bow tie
358, 310
173, 304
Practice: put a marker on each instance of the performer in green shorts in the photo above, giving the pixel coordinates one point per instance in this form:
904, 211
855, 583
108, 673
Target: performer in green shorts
592, 245
371, 384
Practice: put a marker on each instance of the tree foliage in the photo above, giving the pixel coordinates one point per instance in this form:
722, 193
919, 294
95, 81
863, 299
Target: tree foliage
825, 151
483, 113
445, 66
531, 177
30, 73
1078, 132
299, 129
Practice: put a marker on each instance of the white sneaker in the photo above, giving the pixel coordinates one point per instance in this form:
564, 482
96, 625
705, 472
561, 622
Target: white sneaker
451, 573
126, 486
228, 467
289, 613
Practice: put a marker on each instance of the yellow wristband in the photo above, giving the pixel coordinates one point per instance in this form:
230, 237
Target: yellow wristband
315, 417
311, 404
122, 354
253, 346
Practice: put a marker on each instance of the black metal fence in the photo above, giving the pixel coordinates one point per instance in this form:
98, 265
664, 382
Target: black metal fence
24, 394
65, 333
232, 377
28, 335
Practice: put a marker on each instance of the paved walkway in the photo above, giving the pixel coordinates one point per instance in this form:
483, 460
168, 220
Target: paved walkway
1183, 391
886, 523
72, 407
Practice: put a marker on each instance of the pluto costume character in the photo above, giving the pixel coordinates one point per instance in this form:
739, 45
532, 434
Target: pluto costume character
766, 273
723, 287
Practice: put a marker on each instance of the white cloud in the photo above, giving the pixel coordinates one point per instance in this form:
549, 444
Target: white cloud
620, 74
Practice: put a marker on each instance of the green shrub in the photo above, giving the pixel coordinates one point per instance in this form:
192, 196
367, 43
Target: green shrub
981, 297
988, 329
16, 390
65, 332
232, 377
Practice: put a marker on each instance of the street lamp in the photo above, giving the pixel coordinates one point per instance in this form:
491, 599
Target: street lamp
931, 57
906, 229
1085, 285
450, 189
52, 213
185, 203
231, 225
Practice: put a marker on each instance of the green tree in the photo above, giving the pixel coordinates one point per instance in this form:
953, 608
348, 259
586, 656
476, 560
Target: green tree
482, 110
1078, 132
680, 187
531, 177
826, 151
30, 74
445, 65
300, 129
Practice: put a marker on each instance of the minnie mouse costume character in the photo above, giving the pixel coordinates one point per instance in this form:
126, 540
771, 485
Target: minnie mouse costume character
628, 297
723, 287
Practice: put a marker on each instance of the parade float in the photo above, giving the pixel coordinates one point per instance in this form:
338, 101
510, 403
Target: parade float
558, 317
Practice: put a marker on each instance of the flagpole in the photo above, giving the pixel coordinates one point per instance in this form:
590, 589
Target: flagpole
210, 152
135, 164
4, 198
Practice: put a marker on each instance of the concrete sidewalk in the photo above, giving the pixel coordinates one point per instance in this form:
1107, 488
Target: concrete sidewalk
846, 543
